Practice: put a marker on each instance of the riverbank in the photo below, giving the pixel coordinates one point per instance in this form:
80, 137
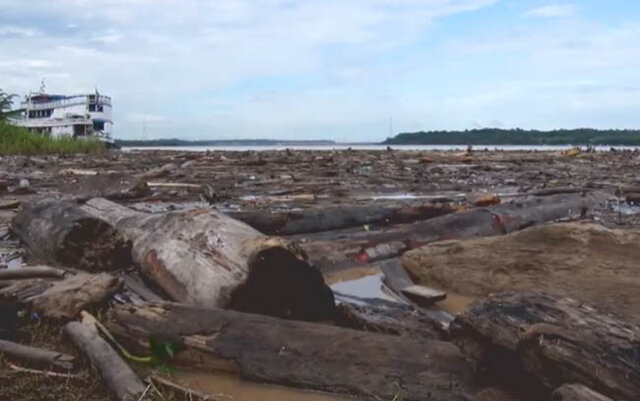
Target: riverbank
356, 217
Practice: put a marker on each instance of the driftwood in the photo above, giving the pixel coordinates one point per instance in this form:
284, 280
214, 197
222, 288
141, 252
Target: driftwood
336, 217
554, 341
60, 232
302, 354
31, 272
206, 258
326, 250
116, 374
38, 356
62, 299
587, 262
577, 392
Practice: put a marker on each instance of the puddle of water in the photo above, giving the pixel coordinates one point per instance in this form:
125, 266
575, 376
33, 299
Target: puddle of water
353, 273
225, 386
626, 209
455, 303
370, 287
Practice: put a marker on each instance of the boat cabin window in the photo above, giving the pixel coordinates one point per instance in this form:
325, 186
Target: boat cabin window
92, 107
98, 125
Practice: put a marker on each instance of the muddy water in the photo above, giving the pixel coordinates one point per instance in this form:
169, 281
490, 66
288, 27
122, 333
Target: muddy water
455, 303
229, 387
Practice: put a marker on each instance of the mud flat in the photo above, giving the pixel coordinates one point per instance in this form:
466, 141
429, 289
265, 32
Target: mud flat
323, 274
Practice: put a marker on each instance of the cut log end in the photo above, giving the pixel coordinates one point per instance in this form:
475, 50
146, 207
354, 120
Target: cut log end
281, 284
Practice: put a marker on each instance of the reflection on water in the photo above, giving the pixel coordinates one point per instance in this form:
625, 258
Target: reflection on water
230, 387
365, 287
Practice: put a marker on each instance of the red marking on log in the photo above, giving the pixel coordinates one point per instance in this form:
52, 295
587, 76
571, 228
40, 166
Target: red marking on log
155, 268
498, 223
362, 256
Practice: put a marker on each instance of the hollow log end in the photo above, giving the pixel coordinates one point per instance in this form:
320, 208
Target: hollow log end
283, 285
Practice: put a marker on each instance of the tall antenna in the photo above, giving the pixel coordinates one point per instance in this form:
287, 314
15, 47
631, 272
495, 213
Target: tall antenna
42, 86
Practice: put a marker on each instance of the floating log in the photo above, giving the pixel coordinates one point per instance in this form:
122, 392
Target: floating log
116, 374
554, 341
577, 392
31, 272
327, 251
38, 356
206, 258
587, 262
62, 299
59, 232
336, 217
309, 355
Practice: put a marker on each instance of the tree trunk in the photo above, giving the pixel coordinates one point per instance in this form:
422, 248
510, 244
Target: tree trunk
41, 357
117, 375
553, 341
206, 258
336, 217
326, 250
60, 232
577, 392
586, 262
301, 354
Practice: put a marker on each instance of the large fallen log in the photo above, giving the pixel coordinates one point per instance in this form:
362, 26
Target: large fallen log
117, 375
553, 341
38, 356
301, 354
206, 258
59, 232
587, 262
337, 217
326, 250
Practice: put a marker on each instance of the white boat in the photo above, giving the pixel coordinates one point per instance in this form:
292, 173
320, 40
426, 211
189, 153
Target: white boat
78, 116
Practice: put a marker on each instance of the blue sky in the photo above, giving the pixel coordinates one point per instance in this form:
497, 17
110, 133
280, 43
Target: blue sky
332, 69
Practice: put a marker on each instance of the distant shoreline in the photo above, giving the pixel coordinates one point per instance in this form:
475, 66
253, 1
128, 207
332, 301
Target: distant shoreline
518, 137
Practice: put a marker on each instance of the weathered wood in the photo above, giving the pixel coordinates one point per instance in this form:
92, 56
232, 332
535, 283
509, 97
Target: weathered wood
302, 354
60, 232
587, 262
31, 272
206, 258
554, 341
577, 392
38, 356
116, 374
326, 251
337, 217
397, 319
423, 296
62, 299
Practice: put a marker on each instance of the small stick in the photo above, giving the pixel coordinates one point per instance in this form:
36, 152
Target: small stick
43, 372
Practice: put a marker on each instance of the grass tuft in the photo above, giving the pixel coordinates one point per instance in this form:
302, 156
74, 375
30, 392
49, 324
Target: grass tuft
20, 141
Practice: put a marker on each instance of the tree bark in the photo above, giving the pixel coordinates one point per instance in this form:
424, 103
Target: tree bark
116, 374
302, 354
336, 217
206, 258
31, 272
39, 356
326, 250
553, 341
577, 392
60, 232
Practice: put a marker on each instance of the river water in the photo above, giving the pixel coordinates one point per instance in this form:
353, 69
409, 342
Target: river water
339, 146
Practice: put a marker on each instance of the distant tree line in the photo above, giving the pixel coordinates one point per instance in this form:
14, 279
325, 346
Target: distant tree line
497, 136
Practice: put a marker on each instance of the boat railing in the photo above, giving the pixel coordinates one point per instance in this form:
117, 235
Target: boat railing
74, 101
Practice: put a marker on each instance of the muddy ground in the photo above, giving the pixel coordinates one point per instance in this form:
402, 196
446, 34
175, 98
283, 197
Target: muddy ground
286, 180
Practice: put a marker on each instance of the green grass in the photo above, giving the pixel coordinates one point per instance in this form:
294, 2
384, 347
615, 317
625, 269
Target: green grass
20, 141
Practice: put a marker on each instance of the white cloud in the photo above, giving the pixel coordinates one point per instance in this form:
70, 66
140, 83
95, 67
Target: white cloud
553, 11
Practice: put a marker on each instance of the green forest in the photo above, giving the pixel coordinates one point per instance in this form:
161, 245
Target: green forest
496, 136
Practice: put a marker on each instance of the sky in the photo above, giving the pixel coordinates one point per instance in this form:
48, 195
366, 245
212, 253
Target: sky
344, 70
